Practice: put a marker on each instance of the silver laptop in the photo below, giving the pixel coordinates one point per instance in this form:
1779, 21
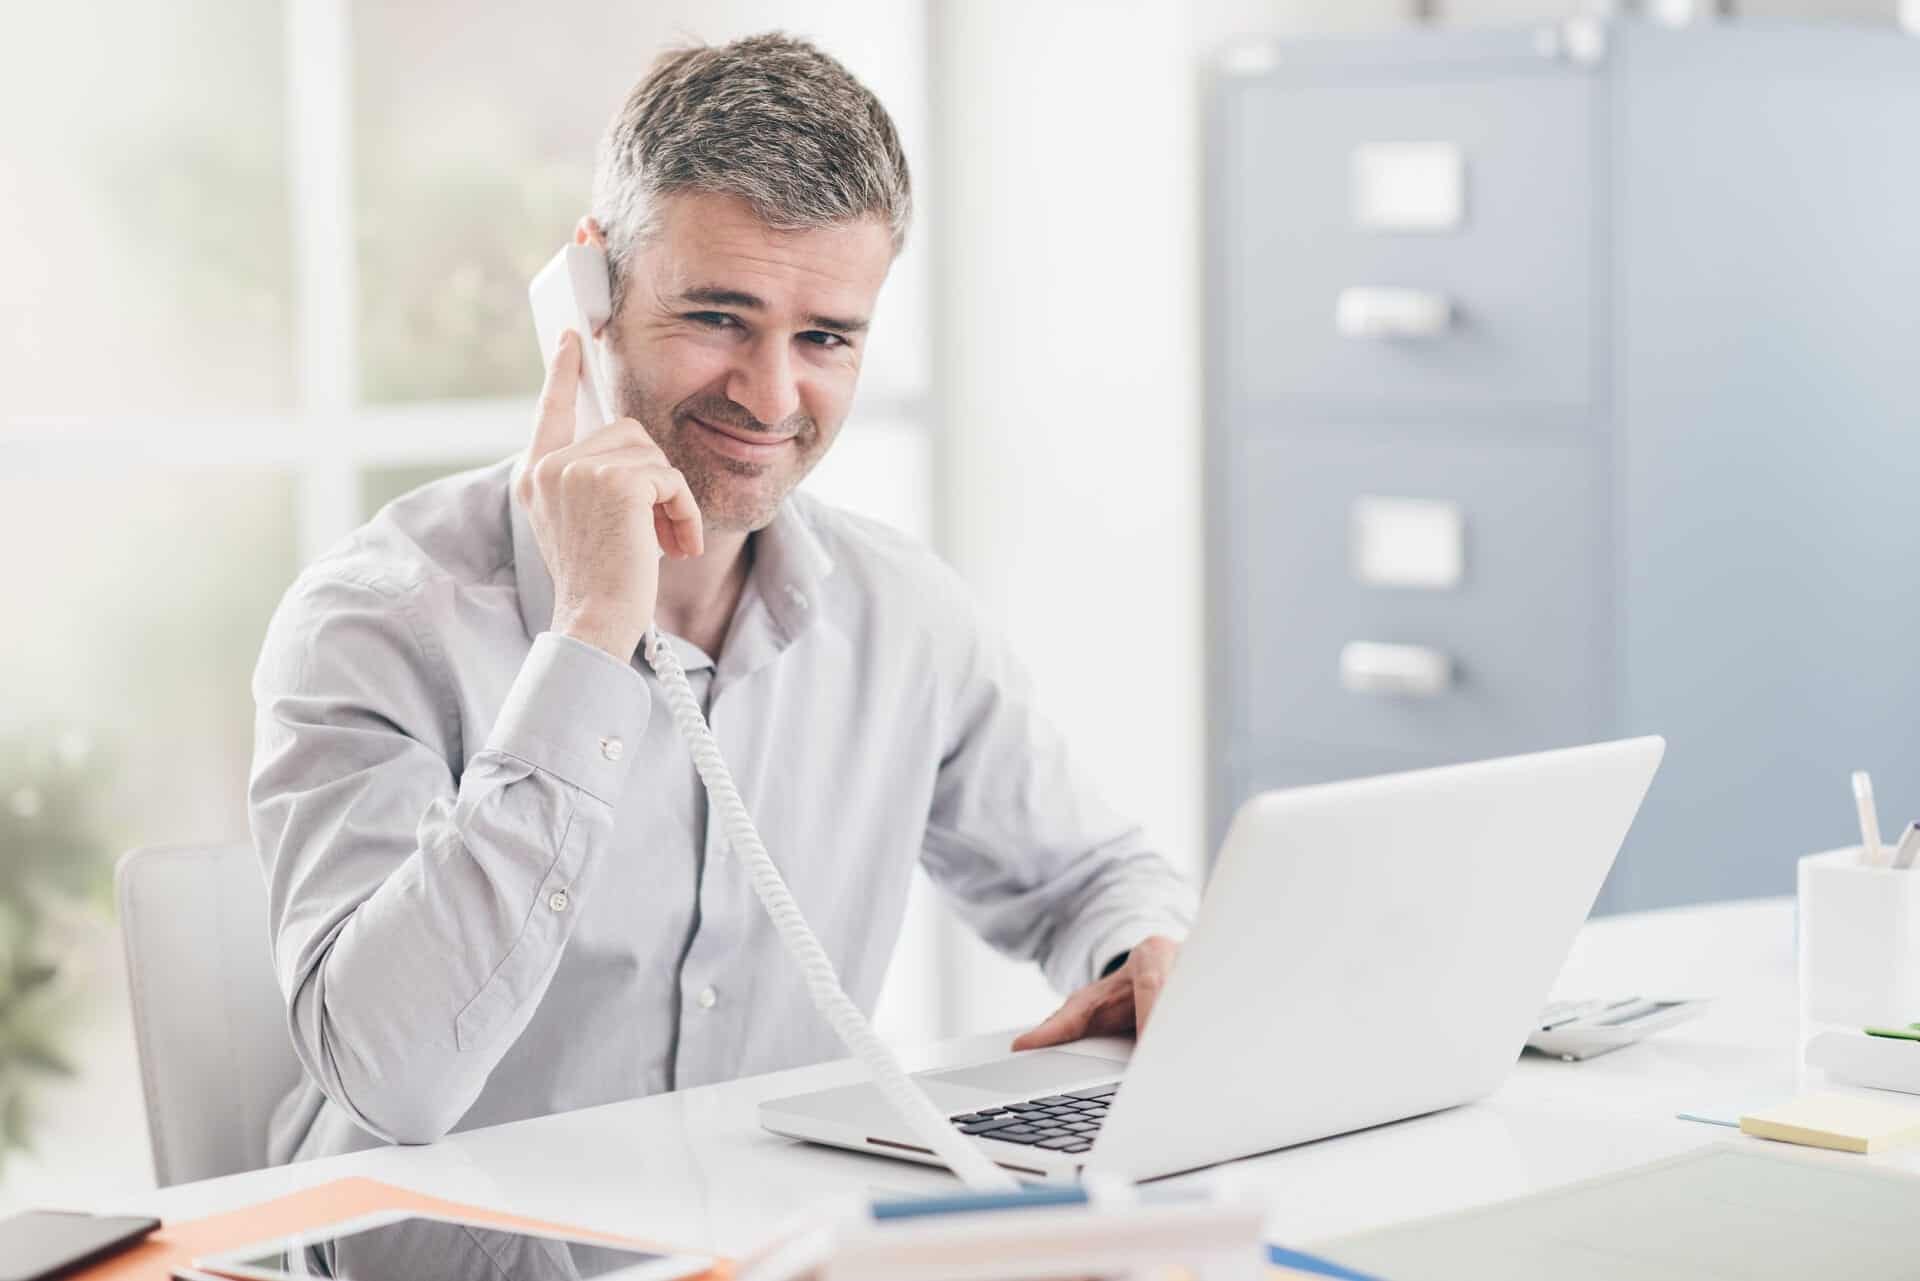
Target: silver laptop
1366, 951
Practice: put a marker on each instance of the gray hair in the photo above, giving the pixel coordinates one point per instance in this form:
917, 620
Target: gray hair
769, 119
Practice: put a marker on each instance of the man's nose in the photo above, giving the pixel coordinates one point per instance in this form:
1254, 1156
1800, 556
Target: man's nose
763, 383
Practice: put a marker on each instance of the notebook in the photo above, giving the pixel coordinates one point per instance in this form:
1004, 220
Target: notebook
1743, 1210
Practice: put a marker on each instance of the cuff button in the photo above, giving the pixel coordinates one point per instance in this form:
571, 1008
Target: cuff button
612, 748
557, 900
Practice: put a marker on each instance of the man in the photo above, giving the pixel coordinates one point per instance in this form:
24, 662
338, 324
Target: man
494, 888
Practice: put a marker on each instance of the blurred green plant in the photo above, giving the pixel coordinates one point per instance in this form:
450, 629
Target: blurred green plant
50, 850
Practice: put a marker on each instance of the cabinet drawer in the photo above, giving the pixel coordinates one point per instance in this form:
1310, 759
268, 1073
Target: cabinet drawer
1523, 635
1297, 164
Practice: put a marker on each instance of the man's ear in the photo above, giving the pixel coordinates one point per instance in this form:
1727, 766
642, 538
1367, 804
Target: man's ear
587, 232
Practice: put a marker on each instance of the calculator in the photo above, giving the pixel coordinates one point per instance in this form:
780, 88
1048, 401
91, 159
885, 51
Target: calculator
1573, 1030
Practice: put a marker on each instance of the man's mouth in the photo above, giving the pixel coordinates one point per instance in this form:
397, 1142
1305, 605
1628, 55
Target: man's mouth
737, 443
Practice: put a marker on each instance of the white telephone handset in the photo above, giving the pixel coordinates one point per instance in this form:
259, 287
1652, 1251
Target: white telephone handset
573, 292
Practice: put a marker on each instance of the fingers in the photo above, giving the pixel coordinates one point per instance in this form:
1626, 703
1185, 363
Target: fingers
1068, 1023
1147, 983
657, 483
1099, 1009
553, 421
622, 435
624, 449
675, 513
1120, 1003
1149, 965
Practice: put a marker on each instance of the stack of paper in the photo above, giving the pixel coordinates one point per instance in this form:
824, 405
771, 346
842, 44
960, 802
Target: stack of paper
1844, 1122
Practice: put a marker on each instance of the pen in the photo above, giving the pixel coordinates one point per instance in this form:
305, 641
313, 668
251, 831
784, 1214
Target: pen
1313, 1265
1869, 821
1909, 846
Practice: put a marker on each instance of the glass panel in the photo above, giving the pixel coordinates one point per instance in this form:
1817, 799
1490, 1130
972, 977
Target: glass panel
502, 109
140, 630
381, 485
143, 208
136, 600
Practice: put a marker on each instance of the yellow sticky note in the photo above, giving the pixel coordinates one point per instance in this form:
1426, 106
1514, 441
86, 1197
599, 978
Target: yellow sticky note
1843, 1122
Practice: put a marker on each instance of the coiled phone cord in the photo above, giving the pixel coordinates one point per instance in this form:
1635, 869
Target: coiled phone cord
960, 1153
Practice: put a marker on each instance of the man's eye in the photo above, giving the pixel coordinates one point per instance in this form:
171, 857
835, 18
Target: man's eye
713, 319
821, 338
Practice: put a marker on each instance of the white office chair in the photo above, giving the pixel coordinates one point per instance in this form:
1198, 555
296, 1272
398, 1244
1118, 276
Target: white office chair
208, 1018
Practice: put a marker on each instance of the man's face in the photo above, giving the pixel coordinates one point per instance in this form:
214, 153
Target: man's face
737, 347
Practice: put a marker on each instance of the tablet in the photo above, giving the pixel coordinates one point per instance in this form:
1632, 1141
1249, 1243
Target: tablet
45, 1243
400, 1245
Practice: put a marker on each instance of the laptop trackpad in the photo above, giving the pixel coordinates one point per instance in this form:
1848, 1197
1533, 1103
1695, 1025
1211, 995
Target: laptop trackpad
1025, 1075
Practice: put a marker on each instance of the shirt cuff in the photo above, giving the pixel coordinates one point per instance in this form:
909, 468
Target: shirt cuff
1116, 945
576, 712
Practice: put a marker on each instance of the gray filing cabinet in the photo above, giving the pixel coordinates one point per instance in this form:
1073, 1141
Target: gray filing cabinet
1564, 383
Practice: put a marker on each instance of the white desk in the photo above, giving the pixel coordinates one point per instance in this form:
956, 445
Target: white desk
694, 1169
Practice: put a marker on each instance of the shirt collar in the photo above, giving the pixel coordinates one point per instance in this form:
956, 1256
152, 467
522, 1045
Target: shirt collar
790, 567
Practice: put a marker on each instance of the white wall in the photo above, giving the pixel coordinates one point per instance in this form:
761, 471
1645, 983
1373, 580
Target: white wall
1066, 369
1066, 140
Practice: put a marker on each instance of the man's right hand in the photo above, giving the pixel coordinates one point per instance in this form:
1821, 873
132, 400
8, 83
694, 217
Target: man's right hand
602, 509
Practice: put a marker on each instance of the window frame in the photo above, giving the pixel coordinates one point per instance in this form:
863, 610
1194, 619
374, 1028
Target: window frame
328, 437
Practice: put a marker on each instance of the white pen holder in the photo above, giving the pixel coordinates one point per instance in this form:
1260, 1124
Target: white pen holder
1859, 942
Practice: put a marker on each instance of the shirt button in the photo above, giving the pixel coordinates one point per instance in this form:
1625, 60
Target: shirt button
557, 900
708, 998
611, 748
798, 597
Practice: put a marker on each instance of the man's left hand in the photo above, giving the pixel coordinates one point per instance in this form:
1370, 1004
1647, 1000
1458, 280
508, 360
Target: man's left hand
1116, 1005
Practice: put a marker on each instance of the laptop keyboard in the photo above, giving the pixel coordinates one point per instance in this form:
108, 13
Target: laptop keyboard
1057, 1122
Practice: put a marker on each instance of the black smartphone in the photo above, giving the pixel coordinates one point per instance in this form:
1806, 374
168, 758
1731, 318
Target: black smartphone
46, 1243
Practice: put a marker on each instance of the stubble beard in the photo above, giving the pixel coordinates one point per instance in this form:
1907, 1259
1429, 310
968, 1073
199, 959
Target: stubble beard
734, 495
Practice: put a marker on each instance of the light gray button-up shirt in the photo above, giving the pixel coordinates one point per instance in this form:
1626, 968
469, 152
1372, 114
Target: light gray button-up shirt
493, 889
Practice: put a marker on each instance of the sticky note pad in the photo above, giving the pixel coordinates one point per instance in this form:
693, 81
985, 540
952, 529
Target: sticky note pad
1843, 1122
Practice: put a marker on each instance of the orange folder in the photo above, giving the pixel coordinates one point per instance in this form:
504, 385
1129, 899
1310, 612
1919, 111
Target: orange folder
179, 1244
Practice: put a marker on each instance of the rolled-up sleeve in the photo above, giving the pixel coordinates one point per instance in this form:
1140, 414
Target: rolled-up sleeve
419, 904
1035, 862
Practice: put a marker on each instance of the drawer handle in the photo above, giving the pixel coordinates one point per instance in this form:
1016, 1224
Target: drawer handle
1370, 312
1415, 671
